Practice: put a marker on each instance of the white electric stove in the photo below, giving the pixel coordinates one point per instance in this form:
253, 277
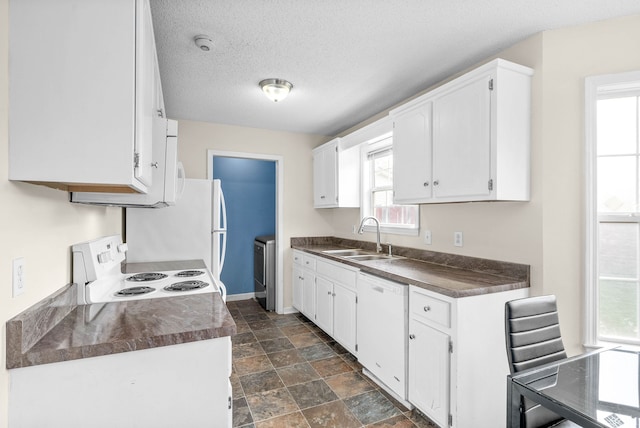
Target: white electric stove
97, 271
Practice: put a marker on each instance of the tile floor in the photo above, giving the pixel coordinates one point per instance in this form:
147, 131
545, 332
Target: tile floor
289, 373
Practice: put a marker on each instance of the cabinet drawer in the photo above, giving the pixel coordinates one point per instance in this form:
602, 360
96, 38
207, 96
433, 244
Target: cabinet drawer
309, 261
297, 257
337, 273
430, 309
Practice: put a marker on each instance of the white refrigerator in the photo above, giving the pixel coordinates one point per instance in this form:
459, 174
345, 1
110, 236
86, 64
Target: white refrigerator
194, 228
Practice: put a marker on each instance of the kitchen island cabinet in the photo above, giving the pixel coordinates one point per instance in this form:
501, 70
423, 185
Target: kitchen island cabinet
84, 111
467, 140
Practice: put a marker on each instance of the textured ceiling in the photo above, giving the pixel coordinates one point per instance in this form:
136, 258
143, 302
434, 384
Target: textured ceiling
347, 59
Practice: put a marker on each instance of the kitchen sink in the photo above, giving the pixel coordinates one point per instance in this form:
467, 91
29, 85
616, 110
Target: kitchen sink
347, 253
366, 257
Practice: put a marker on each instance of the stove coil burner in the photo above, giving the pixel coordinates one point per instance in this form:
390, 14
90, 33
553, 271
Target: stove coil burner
146, 276
186, 286
189, 273
134, 291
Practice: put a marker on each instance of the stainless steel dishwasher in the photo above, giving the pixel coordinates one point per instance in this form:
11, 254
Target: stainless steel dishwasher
264, 271
382, 331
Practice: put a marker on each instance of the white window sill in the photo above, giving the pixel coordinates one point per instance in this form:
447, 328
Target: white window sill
406, 231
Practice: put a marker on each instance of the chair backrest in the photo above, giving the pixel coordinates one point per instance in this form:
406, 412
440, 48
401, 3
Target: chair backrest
532, 332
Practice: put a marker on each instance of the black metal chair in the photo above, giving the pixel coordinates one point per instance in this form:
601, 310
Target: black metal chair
533, 338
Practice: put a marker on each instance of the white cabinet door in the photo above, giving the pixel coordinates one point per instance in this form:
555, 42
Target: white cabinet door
344, 317
412, 153
462, 141
145, 92
324, 305
309, 294
325, 176
429, 371
298, 284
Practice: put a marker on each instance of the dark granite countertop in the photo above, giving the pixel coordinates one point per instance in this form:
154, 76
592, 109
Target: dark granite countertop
449, 274
57, 329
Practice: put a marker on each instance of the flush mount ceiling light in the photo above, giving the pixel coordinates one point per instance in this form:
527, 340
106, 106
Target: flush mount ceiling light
276, 89
203, 42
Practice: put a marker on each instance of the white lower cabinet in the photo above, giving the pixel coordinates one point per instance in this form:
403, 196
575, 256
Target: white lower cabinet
457, 358
325, 292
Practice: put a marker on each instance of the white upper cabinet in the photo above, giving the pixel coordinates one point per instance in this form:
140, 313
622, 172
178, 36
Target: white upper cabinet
82, 108
336, 176
467, 140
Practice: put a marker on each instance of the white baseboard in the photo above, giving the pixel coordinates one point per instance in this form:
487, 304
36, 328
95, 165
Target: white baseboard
290, 310
243, 296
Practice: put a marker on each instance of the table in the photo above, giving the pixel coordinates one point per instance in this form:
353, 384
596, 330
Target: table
596, 389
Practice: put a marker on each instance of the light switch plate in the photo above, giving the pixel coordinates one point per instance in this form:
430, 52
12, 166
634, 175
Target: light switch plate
427, 237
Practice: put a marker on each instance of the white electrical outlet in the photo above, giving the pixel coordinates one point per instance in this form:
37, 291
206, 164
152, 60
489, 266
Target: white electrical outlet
427, 237
19, 280
457, 239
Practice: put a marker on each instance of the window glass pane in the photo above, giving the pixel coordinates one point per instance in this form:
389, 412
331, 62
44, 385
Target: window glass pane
616, 126
383, 171
617, 185
618, 309
618, 250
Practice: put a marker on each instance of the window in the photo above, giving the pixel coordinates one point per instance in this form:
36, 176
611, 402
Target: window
377, 190
613, 209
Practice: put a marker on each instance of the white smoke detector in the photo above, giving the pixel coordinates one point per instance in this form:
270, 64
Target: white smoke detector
203, 42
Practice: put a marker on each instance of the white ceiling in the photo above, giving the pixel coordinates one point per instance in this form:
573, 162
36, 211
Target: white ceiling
347, 59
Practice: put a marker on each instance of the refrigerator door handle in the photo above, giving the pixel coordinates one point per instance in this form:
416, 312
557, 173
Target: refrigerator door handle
223, 213
223, 252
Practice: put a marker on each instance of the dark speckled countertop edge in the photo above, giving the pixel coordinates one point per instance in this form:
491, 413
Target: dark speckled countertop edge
451, 275
55, 330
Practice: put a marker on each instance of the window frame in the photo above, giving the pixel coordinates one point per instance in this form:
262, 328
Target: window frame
382, 143
597, 87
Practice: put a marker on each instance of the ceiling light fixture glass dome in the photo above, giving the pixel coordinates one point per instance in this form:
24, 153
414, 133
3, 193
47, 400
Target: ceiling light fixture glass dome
276, 89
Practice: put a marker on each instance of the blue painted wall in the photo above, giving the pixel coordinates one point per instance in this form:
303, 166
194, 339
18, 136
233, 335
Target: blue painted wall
249, 187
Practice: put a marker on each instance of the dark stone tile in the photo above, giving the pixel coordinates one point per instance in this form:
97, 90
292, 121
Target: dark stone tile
337, 348
400, 421
268, 333
242, 338
316, 352
312, 393
236, 387
242, 327
276, 345
266, 405
260, 382
286, 358
292, 330
261, 325
292, 420
331, 366
305, 339
297, 373
349, 384
253, 317
286, 320
247, 350
371, 407
395, 402
255, 364
241, 413
352, 361
334, 414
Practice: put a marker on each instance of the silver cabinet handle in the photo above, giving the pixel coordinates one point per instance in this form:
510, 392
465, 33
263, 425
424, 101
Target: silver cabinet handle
160, 112
155, 165
425, 184
436, 182
329, 293
427, 308
412, 336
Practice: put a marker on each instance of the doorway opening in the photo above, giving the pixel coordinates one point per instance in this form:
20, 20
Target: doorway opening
252, 184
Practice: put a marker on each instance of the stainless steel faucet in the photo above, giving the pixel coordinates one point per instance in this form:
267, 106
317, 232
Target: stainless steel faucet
361, 231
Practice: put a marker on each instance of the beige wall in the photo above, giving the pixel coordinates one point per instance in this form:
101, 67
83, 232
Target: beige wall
36, 223
298, 216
